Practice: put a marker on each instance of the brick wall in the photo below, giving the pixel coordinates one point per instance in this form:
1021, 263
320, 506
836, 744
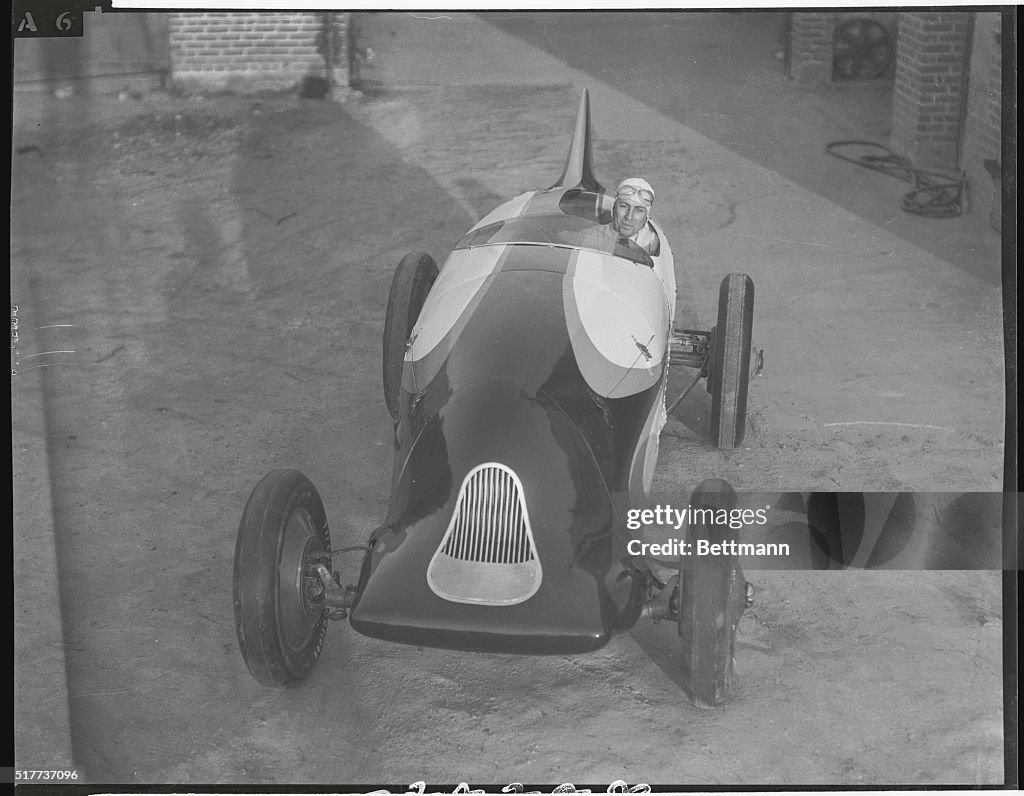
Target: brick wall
929, 86
254, 51
982, 133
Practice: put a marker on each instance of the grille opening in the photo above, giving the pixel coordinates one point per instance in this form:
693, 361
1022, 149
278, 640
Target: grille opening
490, 522
487, 555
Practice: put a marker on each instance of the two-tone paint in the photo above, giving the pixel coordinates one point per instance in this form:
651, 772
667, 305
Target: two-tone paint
531, 405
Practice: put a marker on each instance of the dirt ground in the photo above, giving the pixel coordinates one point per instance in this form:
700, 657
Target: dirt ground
219, 266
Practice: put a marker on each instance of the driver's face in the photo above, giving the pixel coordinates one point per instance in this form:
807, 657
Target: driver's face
627, 218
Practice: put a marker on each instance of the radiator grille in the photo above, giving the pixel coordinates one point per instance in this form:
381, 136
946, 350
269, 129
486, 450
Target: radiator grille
490, 520
487, 554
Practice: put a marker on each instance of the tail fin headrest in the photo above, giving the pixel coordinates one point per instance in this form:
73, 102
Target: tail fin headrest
578, 171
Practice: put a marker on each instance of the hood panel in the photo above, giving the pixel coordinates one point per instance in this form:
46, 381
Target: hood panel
513, 326
584, 594
515, 310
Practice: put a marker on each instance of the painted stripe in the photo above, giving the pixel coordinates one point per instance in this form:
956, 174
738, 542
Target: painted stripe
467, 276
458, 286
618, 323
615, 314
426, 358
515, 330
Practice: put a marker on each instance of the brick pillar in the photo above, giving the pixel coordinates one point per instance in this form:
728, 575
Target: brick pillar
929, 84
810, 46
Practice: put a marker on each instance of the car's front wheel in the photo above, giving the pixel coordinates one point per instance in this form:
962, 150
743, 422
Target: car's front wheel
280, 614
712, 598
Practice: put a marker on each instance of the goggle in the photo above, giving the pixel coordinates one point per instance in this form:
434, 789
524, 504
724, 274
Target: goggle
644, 195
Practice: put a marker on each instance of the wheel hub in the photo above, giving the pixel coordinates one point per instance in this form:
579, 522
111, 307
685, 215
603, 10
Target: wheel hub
301, 593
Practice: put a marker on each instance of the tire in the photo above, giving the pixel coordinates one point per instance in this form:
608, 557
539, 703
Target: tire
729, 371
410, 285
280, 626
713, 596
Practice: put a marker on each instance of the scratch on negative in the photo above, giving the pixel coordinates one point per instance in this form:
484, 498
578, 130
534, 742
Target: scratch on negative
102, 693
50, 365
886, 423
781, 240
44, 353
92, 694
421, 16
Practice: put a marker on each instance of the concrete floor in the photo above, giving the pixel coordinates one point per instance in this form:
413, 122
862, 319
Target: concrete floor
718, 74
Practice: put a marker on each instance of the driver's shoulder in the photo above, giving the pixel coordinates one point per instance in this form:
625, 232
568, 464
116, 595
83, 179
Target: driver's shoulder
649, 240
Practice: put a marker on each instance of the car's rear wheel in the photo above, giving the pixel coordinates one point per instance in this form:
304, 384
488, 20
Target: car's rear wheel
280, 615
712, 597
729, 371
410, 285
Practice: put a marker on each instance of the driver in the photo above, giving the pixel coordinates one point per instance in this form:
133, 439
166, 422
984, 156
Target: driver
633, 201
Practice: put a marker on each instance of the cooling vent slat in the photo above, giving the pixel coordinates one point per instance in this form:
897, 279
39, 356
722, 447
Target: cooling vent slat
489, 523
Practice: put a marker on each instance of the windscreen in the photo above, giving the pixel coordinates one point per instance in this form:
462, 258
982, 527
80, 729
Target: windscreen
557, 230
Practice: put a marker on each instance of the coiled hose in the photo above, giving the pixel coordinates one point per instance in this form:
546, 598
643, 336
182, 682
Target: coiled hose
934, 194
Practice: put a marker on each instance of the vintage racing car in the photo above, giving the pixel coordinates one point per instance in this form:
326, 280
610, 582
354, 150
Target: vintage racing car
527, 380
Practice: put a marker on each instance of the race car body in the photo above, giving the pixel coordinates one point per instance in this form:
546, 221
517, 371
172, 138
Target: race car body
527, 379
532, 399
